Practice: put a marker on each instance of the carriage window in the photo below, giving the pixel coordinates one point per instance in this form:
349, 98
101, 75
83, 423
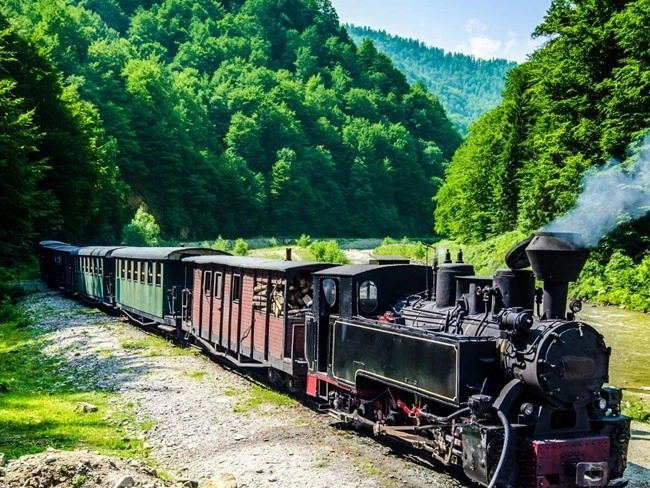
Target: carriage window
235, 293
367, 297
207, 283
129, 270
149, 273
143, 274
158, 273
217, 285
99, 266
95, 265
122, 269
329, 290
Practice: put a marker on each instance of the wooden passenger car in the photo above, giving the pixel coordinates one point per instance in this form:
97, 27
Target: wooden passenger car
95, 274
149, 283
251, 311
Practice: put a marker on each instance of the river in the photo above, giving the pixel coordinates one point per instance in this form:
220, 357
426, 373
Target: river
628, 334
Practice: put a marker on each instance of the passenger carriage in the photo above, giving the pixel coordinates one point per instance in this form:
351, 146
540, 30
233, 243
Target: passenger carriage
46, 261
56, 260
251, 311
152, 284
95, 274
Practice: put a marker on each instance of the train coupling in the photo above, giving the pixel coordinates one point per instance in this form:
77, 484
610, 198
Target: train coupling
592, 474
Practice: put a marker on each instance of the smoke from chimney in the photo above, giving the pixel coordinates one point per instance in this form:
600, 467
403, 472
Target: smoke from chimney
612, 194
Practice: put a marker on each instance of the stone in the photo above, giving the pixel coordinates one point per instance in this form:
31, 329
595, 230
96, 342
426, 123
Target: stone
85, 407
3, 459
222, 480
125, 482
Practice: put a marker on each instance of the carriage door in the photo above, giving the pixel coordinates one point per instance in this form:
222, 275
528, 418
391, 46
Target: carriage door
328, 305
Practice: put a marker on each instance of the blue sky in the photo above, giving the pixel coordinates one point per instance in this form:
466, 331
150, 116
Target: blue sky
483, 28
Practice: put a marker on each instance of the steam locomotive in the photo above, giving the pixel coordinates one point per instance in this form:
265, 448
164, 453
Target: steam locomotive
488, 374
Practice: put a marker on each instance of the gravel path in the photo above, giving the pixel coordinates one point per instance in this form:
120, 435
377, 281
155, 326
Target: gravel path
205, 425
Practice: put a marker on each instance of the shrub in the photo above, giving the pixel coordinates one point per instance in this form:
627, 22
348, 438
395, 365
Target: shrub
637, 410
304, 241
221, 244
328, 252
142, 230
240, 248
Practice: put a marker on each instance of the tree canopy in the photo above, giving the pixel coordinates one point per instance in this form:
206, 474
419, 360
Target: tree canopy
467, 86
575, 106
239, 117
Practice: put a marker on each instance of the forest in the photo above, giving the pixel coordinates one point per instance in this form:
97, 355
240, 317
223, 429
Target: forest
263, 118
467, 86
566, 149
235, 118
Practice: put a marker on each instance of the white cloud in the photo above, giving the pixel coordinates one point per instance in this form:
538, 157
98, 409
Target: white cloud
475, 26
480, 45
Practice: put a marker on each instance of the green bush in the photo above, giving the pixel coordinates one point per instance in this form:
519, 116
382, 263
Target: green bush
304, 241
10, 292
619, 281
240, 248
405, 248
327, 252
221, 244
143, 230
637, 410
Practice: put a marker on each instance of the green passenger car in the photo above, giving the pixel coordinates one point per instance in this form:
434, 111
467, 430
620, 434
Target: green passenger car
149, 282
94, 268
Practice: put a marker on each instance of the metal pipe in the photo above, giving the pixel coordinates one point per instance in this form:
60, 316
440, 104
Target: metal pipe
504, 450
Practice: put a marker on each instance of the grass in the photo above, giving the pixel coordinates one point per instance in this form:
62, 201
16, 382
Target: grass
38, 403
257, 397
155, 346
636, 409
322, 463
366, 467
196, 375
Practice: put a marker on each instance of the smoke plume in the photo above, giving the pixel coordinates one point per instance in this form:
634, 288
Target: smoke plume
612, 194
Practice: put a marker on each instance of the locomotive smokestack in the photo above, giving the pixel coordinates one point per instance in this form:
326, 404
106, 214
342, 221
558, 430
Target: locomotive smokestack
556, 258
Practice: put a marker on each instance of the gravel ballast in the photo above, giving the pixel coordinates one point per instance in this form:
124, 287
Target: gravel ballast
202, 429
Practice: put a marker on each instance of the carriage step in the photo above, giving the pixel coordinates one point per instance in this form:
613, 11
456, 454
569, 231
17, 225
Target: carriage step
167, 328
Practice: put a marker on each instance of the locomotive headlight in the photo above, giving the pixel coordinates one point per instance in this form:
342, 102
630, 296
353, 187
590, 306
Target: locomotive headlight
602, 403
527, 409
575, 306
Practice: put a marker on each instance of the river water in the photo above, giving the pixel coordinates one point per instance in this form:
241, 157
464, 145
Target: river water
628, 334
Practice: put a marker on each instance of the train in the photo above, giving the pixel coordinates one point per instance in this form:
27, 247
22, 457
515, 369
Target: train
494, 377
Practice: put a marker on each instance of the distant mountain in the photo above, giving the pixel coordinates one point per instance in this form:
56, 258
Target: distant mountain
466, 86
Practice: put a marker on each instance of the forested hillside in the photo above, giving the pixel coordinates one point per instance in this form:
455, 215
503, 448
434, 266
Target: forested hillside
580, 105
466, 86
239, 117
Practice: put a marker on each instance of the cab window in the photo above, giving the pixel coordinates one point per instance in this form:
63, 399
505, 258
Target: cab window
329, 291
367, 296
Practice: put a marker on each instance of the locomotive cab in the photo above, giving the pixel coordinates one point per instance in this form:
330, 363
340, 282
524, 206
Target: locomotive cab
355, 291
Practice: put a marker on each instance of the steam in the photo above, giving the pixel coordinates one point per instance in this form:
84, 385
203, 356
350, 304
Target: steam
612, 195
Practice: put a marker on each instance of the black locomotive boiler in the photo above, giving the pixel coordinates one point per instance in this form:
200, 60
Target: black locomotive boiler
488, 374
